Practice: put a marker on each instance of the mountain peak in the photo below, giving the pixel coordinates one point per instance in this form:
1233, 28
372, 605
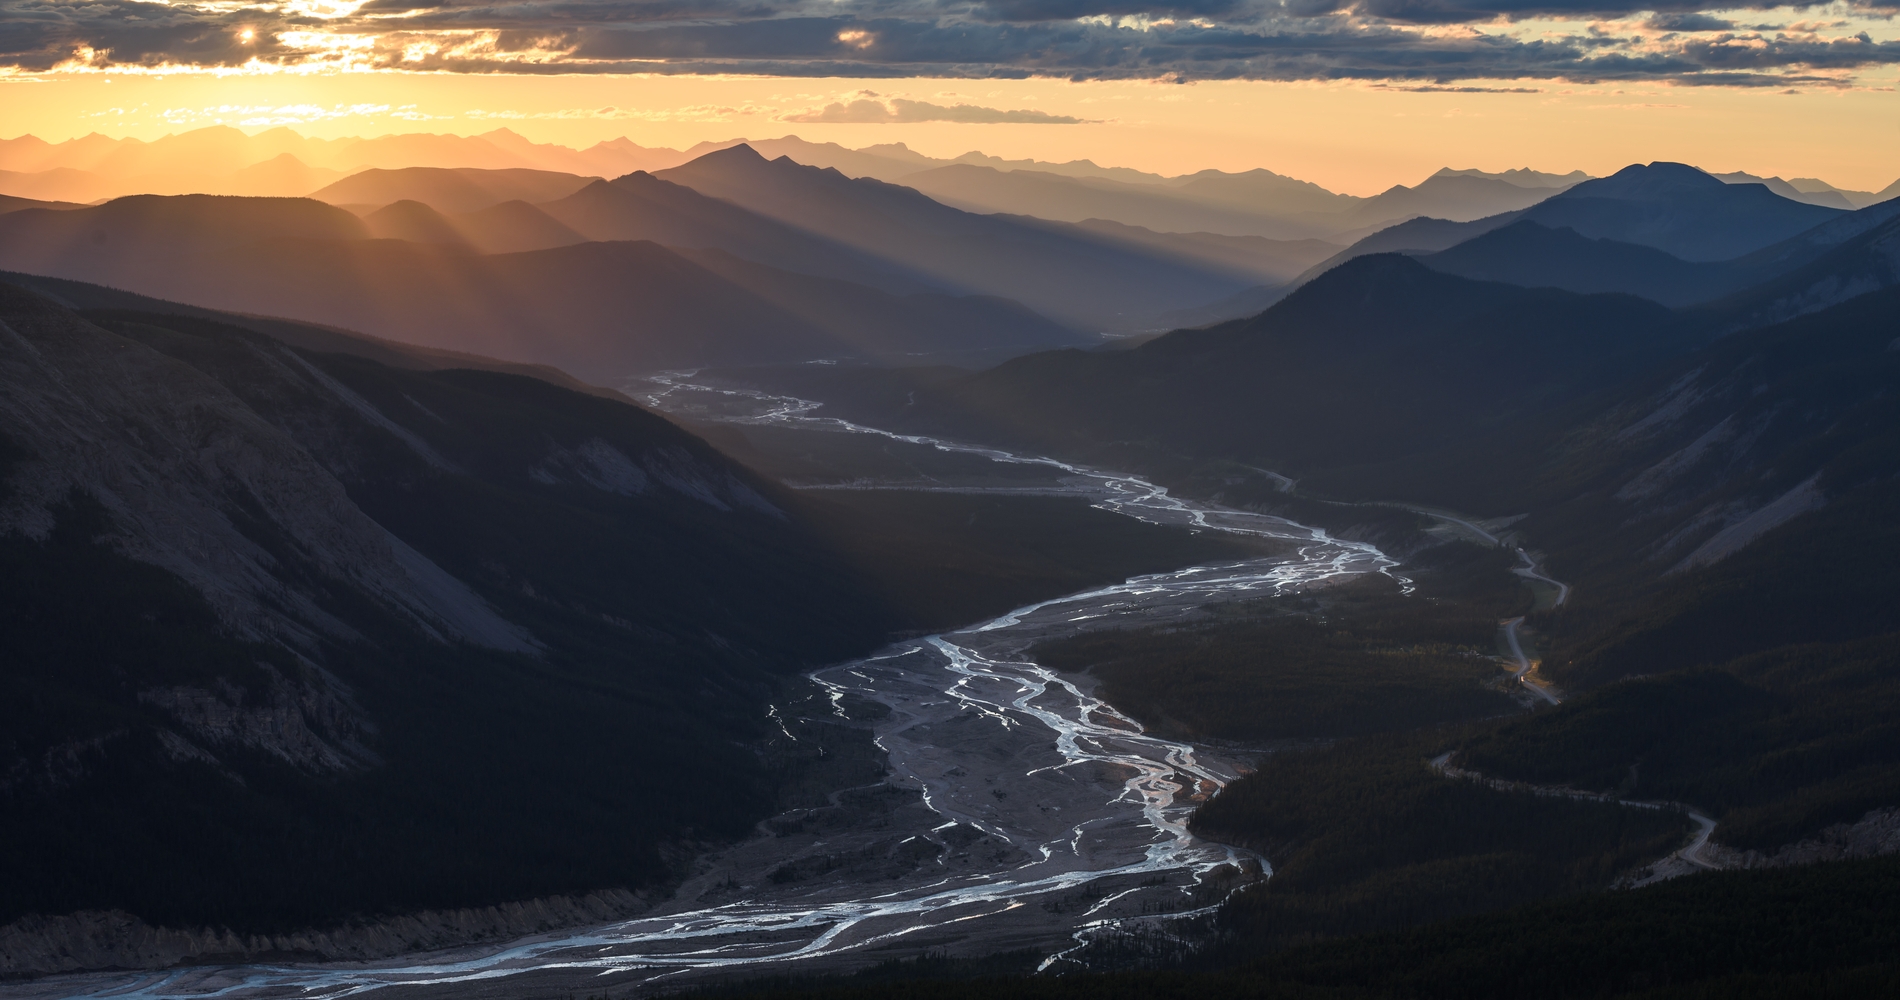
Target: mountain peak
1661, 180
741, 153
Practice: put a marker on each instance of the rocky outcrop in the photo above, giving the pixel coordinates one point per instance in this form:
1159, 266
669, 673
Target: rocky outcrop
93, 940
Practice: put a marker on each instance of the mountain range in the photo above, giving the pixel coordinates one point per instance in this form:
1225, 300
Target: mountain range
335, 589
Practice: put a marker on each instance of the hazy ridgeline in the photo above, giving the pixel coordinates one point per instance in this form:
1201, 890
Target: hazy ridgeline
306, 627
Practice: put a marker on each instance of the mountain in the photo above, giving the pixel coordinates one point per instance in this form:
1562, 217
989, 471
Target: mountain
1680, 209
8, 203
513, 226
887, 162
224, 160
1270, 261
1377, 361
1413, 236
298, 639
1525, 253
57, 184
415, 222
1070, 199
1261, 191
450, 190
1070, 276
509, 227
608, 158
1809, 271
602, 311
1523, 177
641, 206
282, 176
1258, 203
143, 242
1862, 263
1458, 197
893, 161
1808, 190
1664, 206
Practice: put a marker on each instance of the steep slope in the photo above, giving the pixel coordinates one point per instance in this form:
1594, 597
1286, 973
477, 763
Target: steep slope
1862, 263
1072, 277
290, 638
461, 189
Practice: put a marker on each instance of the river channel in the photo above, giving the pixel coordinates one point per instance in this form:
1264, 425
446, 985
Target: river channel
1019, 809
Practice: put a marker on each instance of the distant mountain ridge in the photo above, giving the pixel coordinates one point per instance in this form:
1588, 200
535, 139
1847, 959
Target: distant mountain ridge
600, 310
1070, 275
1671, 207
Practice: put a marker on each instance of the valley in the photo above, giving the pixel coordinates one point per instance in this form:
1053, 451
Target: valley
1019, 809
447, 565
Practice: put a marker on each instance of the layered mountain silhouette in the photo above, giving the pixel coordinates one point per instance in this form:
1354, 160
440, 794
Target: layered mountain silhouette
279, 162
1072, 199
641, 206
1680, 209
1259, 203
450, 190
601, 310
1835, 261
1689, 215
1072, 277
1535, 256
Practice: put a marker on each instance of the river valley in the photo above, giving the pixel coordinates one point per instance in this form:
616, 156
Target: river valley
1018, 811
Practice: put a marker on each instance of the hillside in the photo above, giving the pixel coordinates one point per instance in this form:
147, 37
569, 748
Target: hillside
244, 583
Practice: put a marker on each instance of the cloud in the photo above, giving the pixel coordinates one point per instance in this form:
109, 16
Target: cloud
693, 113
870, 111
1436, 89
1401, 42
1687, 22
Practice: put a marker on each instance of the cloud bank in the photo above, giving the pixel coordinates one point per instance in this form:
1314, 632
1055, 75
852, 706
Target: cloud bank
870, 111
1434, 42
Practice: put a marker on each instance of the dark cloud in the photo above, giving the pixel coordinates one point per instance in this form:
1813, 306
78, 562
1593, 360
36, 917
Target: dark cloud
1688, 22
1377, 40
869, 111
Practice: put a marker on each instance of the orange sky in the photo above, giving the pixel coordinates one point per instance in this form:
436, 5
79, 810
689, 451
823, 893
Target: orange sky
1353, 137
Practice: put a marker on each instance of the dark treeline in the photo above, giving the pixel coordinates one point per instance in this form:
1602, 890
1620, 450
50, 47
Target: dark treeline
1822, 931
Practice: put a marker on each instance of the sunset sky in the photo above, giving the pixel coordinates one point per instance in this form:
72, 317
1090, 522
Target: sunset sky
1354, 96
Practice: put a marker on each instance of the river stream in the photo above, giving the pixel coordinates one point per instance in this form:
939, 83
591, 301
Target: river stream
1029, 813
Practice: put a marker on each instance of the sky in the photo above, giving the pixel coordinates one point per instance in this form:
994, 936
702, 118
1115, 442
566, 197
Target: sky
1355, 96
